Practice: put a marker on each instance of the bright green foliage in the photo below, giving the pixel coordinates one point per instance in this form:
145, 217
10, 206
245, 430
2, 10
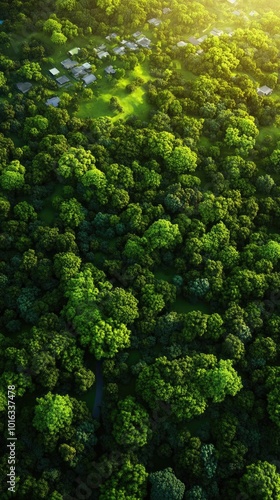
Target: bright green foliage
162, 234
30, 71
261, 481
66, 265
108, 5
270, 251
24, 211
128, 483
161, 143
181, 160
75, 163
187, 383
221, 381
166, 486
12, 176
66, 4
213, 208
121, 305
58, 38
72, 213
130, 423
216, 239
84, 379
52, 413
94, 177
104, 335
52, 25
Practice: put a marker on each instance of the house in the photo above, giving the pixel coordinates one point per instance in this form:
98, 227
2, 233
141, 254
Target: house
232, 1
102, 54
53, 101
119, 50
166, 10
61, 80
86, 66
216, 32
101, 47
264, 90
78, 71
54, 71
131, 45
181, 44
193, 40
24, 86
253, 13
123, 42
89, 79
144, 42
137, 34
202, 38
112, 36
68, 63
110, 70
236, 12
74, 52
154, 21
199, 52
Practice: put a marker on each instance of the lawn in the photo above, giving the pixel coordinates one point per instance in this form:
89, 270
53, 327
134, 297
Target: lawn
134, 103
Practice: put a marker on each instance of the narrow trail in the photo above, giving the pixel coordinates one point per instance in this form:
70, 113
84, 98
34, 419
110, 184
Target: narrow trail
99, 390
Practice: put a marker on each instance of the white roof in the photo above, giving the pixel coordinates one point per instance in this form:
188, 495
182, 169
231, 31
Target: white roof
119, 50
102, 54
265, 90
86, 65
181, 44
54, 71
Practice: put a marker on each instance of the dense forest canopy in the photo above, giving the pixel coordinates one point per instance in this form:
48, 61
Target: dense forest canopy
140, 249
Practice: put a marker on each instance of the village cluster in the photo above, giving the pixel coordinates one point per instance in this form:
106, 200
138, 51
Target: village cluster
83, 72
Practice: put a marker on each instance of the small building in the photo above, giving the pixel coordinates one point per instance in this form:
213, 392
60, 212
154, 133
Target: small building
53, 101
144, 42
154, 21
264, 90
181, 44
61, 80
202, 38
237, 12
131, 45
137, 34
216, 32
102, 54
54, 71
193, 40
110, 70
166, 10
86, 66
199, 52
101, 47
74, 52
78, 71
253, 13
232, 1
24, 86
119, 50
68, 63
112, 36
88, 79
123, 42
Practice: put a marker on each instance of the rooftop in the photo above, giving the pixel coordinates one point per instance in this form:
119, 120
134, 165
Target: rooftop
166, 10
61, 80
89, 79
137, 34
110, 70
68, 63
86, 65
264, 90
119, 50
154, 21
102, 54
216, 32
54, 71
193, 40
144, 42
131, 45
53, 101
24, 86
181, 44
74, 51
78, 71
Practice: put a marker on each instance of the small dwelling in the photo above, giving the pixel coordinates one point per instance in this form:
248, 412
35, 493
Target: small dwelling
102, 54
181, 44
54, 71
154, 21
53, 101
264, 90
61, 80
144, 42
166, 10
110, 70
68, 63
74, 52
24, 86
89, 79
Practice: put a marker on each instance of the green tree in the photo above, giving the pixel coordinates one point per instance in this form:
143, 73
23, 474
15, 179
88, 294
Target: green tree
52, 413
58, 38
261, 481
181, 160
166, 486
130, 423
